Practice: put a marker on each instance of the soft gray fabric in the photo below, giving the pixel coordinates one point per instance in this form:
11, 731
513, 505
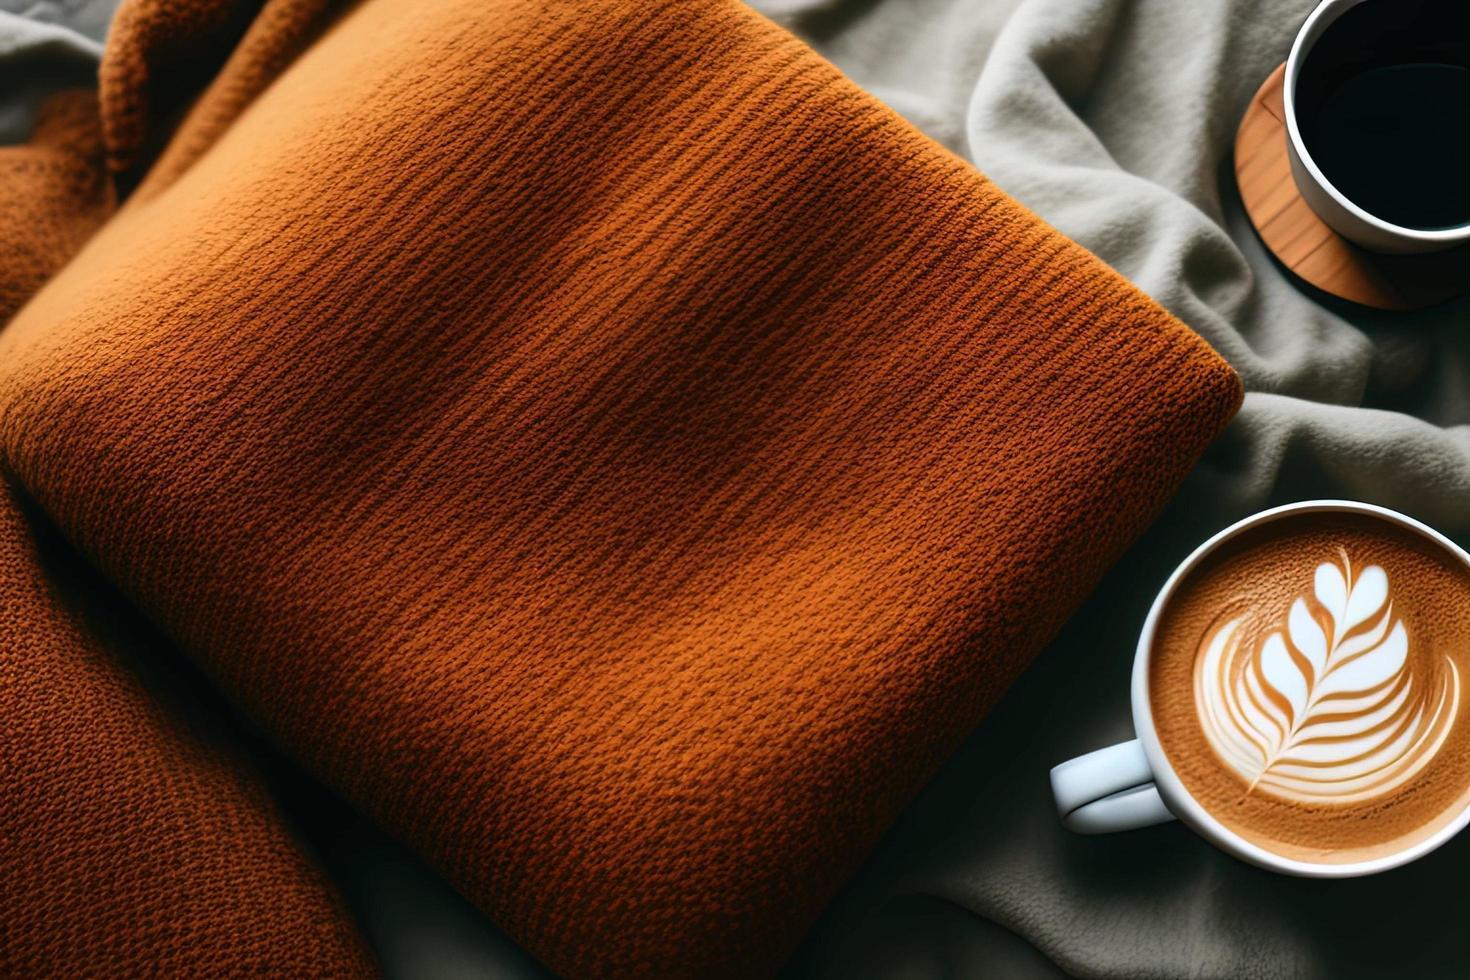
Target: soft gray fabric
89, 18
1114, 120
46, 46
38, 58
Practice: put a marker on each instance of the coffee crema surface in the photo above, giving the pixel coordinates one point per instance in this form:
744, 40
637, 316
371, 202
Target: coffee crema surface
1308, 685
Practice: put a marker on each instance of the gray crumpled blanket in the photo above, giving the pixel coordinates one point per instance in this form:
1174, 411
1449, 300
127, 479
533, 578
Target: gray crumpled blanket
1114, 120
45, 46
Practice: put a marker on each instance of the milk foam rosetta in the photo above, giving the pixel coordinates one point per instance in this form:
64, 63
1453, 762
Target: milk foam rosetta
1321, 702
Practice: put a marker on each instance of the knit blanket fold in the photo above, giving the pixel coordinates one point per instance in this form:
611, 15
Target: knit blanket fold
596, 439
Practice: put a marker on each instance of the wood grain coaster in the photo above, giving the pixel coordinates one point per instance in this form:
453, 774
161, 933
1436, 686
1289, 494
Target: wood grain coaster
1307, 246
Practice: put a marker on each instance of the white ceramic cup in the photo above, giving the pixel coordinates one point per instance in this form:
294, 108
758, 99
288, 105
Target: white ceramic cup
1132, 784
1330, 204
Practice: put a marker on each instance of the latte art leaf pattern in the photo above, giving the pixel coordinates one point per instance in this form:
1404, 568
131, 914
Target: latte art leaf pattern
1326, 708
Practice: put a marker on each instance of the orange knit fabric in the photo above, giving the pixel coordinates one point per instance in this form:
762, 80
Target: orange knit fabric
602, 443
53, 195
134, 838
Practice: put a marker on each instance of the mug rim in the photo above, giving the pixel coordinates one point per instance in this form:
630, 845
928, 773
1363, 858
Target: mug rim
1178, 798
1327, 11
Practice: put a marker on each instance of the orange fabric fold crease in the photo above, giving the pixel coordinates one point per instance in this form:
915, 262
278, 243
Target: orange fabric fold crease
596, 439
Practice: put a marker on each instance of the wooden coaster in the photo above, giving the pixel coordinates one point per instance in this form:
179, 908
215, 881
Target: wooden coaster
1302, 241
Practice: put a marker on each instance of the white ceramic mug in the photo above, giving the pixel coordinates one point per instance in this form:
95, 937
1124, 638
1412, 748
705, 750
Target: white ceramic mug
1133, 785
1330, 204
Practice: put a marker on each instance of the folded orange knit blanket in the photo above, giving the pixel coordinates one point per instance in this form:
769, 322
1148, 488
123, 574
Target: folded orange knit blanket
595, 438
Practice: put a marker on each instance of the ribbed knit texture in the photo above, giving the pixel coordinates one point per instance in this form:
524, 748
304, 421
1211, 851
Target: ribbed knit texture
135, 840
53, 195
604, 444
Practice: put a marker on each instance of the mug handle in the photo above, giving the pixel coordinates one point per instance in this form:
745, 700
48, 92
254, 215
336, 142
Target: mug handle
1108, 790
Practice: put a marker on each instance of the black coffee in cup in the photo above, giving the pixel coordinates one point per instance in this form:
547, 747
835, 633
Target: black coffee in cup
1383, 102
